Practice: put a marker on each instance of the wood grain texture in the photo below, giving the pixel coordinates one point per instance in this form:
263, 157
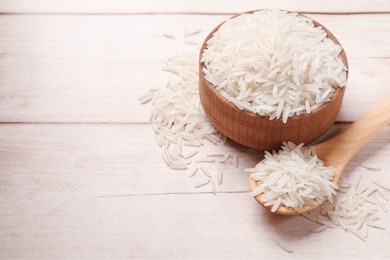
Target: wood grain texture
110, 160
60, 226
81, 176
102, 191
187, 6
90, 69
340, 149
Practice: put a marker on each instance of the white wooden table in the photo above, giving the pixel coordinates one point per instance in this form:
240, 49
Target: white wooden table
81, 176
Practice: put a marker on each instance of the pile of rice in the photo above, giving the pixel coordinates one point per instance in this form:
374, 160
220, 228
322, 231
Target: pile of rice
181, 127
274, 63
293, 177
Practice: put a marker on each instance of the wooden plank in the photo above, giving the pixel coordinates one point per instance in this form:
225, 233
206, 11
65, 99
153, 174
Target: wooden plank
88, 91
101, 191
65, 226
140, 38
187, 6
91, 69
116, 160
108, 159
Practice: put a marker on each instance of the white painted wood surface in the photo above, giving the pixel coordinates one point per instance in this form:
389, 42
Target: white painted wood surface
81, 176
188, 6
94, 68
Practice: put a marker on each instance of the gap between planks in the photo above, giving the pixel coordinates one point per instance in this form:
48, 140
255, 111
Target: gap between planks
182, 13
97, 123
172, 193
71, 123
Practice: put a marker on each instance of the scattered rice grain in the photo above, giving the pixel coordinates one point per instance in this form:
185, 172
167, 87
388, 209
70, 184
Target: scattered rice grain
283, 247
319, 229
192, 32
193, 171
370, 167
200, 183
213, 188
206, 172
219, 176
169, 36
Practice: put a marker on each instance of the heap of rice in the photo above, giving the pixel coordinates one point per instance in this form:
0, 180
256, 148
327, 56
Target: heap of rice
177, 117
181, 127
273, 63
293, 177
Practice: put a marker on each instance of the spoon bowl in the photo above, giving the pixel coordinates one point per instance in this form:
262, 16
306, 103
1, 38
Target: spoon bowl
339, 150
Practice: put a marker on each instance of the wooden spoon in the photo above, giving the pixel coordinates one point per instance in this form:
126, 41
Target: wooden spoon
340, 149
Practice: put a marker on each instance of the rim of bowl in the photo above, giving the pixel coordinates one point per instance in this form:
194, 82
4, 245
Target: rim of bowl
329, 35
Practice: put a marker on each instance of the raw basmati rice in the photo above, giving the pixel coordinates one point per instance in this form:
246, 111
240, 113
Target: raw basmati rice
293, 177
319, 229
279, 244
219, 176
236, 160
178, 121
382, 185
192, 32
202, 182
191, 154
274, 63
193, 171
225, 158
178, 117
206, 172
169, 36
215, 155
213, 188
354, 211
370, 167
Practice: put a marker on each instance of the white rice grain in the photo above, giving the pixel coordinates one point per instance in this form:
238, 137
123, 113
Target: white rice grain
206, 172
219, 176
355, 210
200, 183
191, 154
279, 244
192, 32
146, 98
293, 177
297, 68
178, 120
193, 171
225, 158
169, 36
370, 167
215, 155
382, 185
213, 188
319, 229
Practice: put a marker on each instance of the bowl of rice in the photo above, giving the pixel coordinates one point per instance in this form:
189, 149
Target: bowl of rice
271, 76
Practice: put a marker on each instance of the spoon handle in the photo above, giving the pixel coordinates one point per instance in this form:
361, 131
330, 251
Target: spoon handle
342, 147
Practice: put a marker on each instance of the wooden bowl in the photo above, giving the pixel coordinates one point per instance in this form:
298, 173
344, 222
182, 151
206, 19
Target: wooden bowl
255, 131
